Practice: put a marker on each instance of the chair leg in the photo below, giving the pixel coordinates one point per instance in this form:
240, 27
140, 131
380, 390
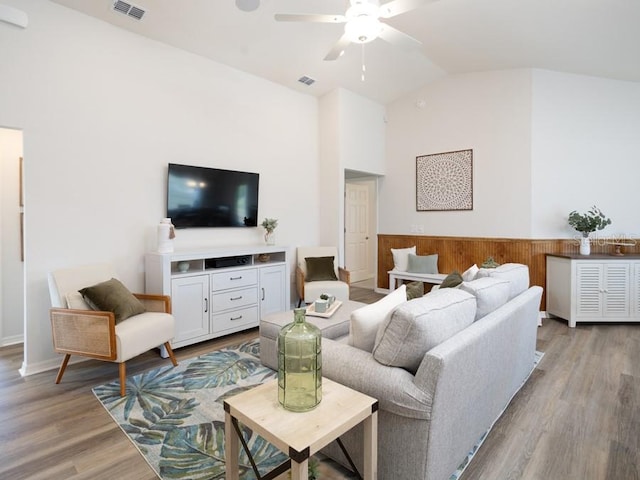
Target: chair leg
167, 345
122, 367
63, 367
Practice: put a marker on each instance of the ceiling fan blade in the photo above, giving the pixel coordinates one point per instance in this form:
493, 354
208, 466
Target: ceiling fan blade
338, 48
396, 7
398, 38
318, 18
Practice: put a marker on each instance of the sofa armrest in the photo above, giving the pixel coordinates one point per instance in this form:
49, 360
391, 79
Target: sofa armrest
392, 387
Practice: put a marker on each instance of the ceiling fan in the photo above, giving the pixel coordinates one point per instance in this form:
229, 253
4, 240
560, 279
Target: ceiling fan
362, 23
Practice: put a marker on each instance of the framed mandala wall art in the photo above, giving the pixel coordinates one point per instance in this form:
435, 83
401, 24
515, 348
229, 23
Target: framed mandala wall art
444, 181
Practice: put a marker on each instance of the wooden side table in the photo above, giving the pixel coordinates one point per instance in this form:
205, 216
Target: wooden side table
300, 435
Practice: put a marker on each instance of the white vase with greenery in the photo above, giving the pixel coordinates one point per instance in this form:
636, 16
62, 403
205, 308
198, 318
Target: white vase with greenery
269, 225
588, 222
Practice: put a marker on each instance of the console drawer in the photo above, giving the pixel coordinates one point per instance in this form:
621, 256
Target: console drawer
234, 299
234, 279
236, 319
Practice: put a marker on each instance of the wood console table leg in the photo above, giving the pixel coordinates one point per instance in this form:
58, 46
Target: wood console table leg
231, 450
300, 471
371, 447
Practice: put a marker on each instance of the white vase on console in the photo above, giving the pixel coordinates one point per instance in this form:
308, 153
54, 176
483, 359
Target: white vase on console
585, 245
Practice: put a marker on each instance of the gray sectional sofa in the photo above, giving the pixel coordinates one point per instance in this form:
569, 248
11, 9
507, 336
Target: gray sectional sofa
443, 367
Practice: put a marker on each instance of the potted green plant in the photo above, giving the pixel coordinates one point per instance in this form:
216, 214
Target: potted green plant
269, 225
588, 222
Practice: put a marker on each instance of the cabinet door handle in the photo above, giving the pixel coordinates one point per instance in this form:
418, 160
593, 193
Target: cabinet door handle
235, 318
262, 293
233, 299
206, 305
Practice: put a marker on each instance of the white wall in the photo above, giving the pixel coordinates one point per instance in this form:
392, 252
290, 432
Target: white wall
487, 112
585, 151
11, 269
352, 133
103, 111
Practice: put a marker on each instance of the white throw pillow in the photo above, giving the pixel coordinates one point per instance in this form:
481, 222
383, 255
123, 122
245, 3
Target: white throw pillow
401, 257
365, 321
470, 273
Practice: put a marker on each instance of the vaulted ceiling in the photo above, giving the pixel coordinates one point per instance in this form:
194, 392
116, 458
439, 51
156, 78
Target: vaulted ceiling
589, 37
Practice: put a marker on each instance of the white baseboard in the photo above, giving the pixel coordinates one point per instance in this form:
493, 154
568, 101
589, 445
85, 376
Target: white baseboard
45, 366
13, 340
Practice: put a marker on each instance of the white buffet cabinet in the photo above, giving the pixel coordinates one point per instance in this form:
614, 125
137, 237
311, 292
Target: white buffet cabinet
594, 288
219, 291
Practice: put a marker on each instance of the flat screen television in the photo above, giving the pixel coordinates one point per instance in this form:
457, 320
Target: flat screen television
211, 197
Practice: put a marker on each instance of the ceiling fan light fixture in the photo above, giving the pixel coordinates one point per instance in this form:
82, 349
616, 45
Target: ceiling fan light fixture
363, 29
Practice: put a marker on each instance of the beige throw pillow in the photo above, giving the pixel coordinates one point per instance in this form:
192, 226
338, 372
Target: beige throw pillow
365, 321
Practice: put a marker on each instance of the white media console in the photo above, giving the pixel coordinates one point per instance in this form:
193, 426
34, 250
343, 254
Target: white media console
215, 292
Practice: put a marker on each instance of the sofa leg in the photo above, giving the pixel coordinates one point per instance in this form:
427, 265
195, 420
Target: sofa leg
63, 367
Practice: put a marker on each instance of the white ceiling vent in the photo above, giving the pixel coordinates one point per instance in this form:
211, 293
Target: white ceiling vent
129, 9
306, 80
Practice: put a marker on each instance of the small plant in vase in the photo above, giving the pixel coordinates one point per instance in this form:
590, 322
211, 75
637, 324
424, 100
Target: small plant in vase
588, 222
269, 225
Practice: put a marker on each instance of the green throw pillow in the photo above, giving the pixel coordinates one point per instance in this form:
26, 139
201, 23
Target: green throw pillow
415, 290
113, 296
452, 280
320, 268
423, 263
490, 263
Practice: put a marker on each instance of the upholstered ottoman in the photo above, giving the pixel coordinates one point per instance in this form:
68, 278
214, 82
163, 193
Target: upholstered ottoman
333, 327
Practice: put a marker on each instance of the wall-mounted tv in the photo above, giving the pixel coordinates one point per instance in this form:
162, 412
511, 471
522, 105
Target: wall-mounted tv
211, 197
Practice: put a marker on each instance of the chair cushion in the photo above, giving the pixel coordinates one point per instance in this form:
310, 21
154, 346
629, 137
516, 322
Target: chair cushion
320, 268
365, 321
401, 257
417, 326
141, 333
113, 296
76, 301
313, 290
491, 293
422, 263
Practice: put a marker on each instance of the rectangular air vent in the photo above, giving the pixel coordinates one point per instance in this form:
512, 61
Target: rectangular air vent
306, 80
129, 9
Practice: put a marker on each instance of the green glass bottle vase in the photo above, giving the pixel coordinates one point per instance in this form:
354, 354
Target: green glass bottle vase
299, 364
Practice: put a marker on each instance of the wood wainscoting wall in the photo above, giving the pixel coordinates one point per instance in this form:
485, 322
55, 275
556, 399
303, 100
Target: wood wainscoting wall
459, 253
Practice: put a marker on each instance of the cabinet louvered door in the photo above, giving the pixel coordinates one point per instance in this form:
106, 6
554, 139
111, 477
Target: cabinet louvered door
616, 299
589, 289
635, 289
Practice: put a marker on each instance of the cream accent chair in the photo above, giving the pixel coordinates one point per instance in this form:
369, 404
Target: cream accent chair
310, 291
78, 330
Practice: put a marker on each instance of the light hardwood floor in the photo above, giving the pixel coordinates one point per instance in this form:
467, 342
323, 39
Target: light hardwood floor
578, 416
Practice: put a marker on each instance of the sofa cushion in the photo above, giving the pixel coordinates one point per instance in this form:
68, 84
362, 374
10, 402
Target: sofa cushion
417, 326
320, 268
490, 293
401, 257
516, 273
365, 321
113, 296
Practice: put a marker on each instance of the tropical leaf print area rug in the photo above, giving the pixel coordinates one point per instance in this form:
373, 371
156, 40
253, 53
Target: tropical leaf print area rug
175, 416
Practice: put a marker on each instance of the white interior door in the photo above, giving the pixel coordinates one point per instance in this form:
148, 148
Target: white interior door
357, 235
